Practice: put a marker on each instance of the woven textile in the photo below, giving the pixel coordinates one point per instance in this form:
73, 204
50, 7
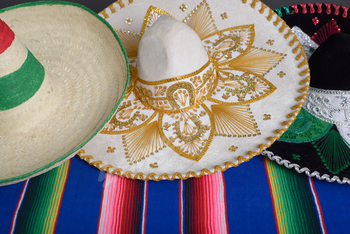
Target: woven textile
256, 196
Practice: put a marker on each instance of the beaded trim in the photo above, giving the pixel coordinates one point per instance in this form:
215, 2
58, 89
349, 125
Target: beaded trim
308, 44
305, 170
331, 106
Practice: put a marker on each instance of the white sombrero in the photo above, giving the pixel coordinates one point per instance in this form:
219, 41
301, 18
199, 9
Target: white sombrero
62, 72
212, 85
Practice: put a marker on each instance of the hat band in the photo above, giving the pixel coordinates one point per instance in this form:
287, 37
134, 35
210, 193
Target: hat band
20, 85
332, 106
180, 93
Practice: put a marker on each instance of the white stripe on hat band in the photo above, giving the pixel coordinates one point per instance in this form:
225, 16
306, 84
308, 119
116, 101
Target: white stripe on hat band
12, 58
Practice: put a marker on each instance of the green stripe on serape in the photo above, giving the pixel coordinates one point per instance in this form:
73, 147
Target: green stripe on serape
39, 210
295, 211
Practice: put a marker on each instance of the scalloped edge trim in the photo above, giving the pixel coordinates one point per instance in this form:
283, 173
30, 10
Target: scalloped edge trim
305, 170
299, 56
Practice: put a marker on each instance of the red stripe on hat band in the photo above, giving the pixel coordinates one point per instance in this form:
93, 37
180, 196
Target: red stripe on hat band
6, 36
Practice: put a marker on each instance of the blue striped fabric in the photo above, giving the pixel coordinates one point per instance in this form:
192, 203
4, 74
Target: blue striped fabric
163, 207
81, 201
248, 198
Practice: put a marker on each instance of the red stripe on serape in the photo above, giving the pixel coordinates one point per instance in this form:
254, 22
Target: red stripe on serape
121, 207
224, 183
318, 205
6, 36
103, 191
205, 205
271, 194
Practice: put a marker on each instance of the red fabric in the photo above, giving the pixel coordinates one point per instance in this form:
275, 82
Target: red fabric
6, 36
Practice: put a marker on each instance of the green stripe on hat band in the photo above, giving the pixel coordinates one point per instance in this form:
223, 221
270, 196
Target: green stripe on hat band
19, 86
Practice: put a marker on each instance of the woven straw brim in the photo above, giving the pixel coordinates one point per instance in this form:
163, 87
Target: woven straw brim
86, 66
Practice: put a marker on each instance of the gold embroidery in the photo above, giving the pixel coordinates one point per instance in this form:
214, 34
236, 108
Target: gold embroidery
110, 149
128, 21
234, 121
190, 133
183, 7
130, 42
201, 21
180, 95
270, 42
194, 138
153, 13
224, 15
267, 116
142, 143
258, 61
281, 74
233, 148
124, 115
228, 164
154, 165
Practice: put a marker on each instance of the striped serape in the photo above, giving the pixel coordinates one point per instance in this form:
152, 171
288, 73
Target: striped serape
257, 196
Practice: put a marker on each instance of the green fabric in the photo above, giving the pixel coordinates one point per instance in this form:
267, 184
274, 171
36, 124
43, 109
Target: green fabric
305, 128
334, 152
295, 209
17, 87
287, 11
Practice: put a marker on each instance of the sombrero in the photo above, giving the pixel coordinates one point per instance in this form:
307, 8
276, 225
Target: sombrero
62, 72
212, 85
317, 143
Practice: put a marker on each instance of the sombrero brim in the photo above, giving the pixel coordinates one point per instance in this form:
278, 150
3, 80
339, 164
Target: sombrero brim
87, 64
146, 147
311, 145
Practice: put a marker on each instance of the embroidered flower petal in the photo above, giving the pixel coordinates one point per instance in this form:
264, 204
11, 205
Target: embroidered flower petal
201, 21
255, 60
142, 142
130, 115
130, 41
228, 44
241, 88
234, 121
188, 133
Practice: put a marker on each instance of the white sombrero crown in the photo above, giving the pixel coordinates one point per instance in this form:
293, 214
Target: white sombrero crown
206, 93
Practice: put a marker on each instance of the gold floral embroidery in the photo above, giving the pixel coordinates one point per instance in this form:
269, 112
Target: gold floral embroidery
154, 165
171, 112
110, 149
224, 15
233, 148
183, 7
270, 42
128, 21
281, 74
267, 117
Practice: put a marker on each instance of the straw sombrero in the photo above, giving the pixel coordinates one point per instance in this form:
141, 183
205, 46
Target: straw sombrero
211, 86
318, 142
62, 72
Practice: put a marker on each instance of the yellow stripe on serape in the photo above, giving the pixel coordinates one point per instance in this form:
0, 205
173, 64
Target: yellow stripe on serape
57, 193
40, 207
295, 211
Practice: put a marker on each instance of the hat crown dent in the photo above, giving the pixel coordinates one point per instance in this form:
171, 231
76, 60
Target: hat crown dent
330, 62
169, 48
